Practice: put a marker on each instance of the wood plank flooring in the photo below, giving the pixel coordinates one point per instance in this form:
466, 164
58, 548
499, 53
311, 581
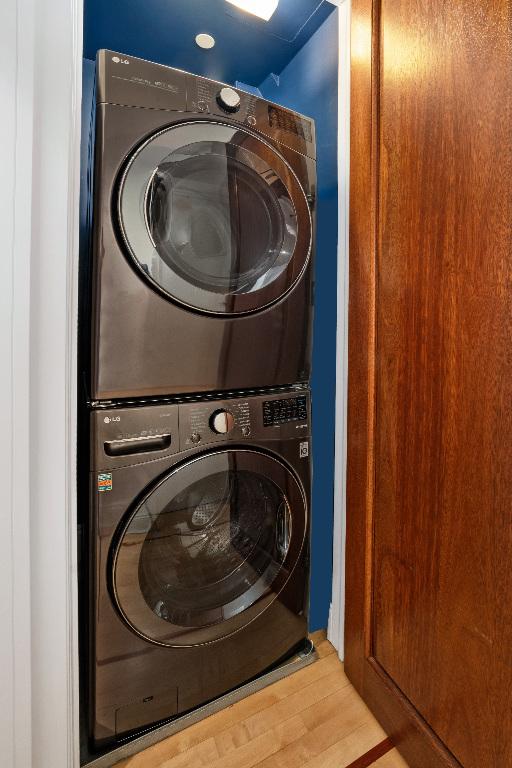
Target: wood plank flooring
312, 719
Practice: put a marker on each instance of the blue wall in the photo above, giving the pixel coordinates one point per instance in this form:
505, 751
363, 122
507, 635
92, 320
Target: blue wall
309, 84
247, 48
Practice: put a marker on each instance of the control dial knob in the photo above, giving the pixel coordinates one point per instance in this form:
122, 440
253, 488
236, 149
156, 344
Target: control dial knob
228, 99
222, 422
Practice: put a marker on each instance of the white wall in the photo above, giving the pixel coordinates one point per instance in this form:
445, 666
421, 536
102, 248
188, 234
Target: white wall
15, 204
40, 43
52, 381
336, 627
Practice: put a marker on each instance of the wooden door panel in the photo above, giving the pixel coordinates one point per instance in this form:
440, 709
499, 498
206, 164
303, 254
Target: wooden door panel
429, 529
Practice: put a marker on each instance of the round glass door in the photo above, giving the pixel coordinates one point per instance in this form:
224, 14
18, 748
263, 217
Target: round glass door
209, 548
215, 218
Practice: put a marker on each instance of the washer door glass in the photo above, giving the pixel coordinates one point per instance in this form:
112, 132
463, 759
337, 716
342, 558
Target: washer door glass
209, 548
215, 218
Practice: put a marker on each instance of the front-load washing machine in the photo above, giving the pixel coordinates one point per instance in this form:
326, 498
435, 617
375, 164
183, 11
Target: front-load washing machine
199, 552
203, 233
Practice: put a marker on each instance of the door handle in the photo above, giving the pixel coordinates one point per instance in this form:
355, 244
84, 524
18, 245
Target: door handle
137, 445
283, 529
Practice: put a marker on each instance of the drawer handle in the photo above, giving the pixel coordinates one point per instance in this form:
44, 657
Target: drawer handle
137, 445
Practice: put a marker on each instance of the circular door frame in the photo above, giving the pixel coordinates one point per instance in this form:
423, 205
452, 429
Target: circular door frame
137, 238
193, 636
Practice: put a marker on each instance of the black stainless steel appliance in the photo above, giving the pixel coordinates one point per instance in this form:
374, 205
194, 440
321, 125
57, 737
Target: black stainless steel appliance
203, 232
199, 542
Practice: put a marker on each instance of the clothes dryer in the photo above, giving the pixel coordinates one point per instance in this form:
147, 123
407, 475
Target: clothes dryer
203, 233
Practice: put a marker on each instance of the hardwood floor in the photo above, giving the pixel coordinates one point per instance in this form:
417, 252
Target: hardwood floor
312, 719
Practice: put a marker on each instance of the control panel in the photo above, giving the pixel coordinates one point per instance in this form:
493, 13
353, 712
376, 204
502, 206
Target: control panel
287, 122
125, 436
277, 412
209, 98
202, 423
129, 81
244, 419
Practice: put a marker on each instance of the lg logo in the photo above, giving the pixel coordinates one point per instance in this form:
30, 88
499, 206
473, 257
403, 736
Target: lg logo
117, 60
303, 450
108, 419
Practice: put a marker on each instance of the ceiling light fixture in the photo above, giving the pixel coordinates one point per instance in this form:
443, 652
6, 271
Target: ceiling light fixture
264, 9
205, 41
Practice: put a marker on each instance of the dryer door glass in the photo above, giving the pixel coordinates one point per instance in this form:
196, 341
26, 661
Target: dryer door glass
209, 548
215, 218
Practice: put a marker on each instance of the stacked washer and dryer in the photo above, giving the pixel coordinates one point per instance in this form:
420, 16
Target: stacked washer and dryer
198, 393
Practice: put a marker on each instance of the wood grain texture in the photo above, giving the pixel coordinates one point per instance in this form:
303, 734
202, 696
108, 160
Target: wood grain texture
430, 377
360, 342
314, 718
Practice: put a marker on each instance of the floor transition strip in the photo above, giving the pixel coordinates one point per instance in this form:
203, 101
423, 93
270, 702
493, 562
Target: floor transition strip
373, 754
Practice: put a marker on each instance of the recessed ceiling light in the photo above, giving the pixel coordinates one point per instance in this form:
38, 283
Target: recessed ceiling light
264, 9
205, 41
